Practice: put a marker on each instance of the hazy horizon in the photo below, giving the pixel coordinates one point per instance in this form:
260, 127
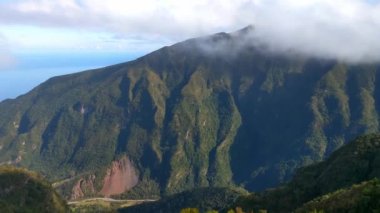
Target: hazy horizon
37, 68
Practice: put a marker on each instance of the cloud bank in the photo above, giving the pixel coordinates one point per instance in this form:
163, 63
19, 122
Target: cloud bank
347, 30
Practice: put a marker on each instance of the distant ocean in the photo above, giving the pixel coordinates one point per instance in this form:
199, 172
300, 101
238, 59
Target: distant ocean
17, 82
35, 69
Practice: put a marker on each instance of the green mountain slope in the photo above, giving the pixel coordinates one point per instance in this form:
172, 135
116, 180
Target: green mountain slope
354, 163
24, 191
364, 197
204, 112
345, 182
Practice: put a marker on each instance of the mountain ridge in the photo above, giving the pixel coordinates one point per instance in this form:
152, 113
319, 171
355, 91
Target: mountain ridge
186, 117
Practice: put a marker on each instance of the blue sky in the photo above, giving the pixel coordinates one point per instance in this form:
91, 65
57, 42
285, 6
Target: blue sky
43, 38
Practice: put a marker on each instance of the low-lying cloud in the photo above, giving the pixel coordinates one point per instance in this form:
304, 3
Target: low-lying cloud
343, 29
347, 30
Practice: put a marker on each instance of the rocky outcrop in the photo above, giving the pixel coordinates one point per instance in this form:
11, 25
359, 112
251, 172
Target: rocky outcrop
83, 187
121, 177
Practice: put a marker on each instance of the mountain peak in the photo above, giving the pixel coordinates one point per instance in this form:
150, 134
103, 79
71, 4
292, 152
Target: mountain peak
248, 29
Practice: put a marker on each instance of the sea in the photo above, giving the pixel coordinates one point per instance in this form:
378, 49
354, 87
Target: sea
33, 69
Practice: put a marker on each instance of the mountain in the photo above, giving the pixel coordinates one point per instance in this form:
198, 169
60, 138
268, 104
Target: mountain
25, 191
217, 111
344, 182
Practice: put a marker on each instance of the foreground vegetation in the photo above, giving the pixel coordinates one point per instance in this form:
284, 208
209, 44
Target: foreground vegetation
102, 205
25, 191
364, 197
204, 199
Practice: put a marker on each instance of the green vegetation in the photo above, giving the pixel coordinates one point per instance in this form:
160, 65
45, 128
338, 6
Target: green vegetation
187, 118
100, 205
364, 197
25, 191
355, 163
94, 206
189, 210
197, 200
325, 184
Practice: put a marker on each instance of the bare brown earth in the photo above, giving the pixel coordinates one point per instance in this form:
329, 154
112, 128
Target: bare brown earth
83, 184
119, 178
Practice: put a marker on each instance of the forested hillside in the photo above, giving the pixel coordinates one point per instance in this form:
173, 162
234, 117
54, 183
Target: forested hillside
206, 112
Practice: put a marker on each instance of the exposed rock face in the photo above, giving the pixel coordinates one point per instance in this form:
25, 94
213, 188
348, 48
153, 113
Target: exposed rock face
77, 192
82, 187
119, 178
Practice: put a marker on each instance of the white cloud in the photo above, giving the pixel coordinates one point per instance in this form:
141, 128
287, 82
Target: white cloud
344, 29
171, 18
